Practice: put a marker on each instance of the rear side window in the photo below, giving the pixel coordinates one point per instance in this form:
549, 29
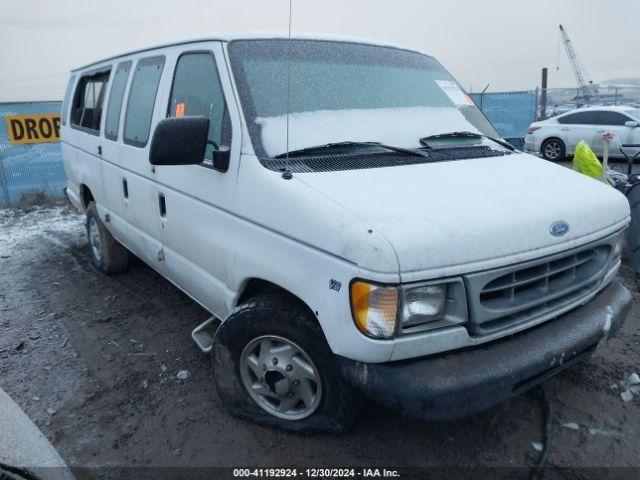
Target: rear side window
580, 118
67, 99
612, 118
88, 100
197, 91
114, 107
142, 98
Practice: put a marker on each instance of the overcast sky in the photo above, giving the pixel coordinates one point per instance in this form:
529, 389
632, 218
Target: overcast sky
504, 43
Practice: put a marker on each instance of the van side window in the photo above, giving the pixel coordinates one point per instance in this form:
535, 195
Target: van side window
114, 107
142, 98
88, 100
197, 91
67, 99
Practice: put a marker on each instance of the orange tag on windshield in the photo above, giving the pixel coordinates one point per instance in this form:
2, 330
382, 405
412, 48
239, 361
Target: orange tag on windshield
180, 110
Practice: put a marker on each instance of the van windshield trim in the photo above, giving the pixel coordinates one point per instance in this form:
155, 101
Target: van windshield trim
315, 62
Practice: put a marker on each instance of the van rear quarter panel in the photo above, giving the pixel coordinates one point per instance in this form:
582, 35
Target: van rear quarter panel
81, 165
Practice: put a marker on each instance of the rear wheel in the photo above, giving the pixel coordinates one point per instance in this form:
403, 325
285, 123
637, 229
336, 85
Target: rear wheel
553, 150
106, 253
272, 365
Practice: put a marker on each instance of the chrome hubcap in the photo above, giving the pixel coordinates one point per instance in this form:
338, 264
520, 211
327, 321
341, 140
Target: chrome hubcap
552, 150
94, 239
280, 377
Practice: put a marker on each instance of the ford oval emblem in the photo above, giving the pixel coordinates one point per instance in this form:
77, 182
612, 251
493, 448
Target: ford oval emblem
558, 229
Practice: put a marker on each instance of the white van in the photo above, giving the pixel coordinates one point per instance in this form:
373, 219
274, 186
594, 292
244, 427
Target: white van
351, 218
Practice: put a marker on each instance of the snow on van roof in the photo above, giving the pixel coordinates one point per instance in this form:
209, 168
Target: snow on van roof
256, 35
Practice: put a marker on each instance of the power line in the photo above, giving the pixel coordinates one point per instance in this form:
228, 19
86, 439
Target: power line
13, 80
28, 89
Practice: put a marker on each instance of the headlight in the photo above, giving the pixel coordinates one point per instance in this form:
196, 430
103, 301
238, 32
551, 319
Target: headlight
423, 304
377, 309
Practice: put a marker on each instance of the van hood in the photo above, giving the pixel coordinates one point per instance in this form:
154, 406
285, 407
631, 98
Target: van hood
455, 217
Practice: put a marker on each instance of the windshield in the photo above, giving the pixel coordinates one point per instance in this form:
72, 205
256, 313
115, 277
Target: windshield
635, 113
340, 91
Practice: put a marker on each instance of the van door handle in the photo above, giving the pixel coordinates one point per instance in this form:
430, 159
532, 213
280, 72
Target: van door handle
162, 205
125, 188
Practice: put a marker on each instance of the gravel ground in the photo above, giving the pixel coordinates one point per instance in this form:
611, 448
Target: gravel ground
93, 360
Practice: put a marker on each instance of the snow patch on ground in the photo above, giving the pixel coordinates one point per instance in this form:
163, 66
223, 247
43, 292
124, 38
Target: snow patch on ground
571, 426
607, 432
402, 127
18, 227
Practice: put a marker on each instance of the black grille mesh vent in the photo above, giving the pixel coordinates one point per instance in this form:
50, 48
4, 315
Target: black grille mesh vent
358, 161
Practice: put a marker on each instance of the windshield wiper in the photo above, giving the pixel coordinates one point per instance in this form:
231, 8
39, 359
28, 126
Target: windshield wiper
331, 146
424, 141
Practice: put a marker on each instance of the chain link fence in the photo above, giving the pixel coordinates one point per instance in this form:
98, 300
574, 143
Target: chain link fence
512, 112
29, 172
561, 100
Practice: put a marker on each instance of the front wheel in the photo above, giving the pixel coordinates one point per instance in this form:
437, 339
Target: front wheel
553, 150
273, 365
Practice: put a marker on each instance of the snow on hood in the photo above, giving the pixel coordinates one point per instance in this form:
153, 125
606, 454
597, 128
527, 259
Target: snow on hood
402, 127
454, 217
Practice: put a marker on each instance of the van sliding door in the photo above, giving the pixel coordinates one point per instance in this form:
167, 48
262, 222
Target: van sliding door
138, 184
112, 173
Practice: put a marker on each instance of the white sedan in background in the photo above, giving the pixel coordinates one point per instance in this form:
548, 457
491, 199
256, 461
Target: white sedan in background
556, 138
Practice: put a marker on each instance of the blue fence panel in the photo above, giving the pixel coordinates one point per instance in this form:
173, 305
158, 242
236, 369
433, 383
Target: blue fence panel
510, 112
29, 168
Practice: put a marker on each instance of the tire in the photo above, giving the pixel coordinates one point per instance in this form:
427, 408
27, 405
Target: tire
553, 149
280, 318
633, 232
106, 253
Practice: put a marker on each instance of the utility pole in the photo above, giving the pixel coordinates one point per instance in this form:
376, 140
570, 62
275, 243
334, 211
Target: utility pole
543, 95
482, 97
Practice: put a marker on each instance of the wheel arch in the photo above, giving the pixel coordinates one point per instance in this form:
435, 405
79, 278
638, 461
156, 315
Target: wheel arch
86, 196
255, 286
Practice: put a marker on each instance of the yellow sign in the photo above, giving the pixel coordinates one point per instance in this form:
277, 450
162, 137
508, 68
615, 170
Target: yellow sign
33, 128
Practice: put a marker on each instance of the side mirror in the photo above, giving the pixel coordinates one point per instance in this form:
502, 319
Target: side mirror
631, 124
179, 141
221, 157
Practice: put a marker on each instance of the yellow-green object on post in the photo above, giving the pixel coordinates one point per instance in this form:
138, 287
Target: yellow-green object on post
586, 162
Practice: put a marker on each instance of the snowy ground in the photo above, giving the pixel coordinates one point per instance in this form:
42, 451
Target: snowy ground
19, 228
93, 360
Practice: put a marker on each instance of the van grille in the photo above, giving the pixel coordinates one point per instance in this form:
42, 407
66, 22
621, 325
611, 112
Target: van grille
521, 293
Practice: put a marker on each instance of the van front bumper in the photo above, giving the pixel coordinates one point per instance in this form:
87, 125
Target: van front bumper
459, 383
